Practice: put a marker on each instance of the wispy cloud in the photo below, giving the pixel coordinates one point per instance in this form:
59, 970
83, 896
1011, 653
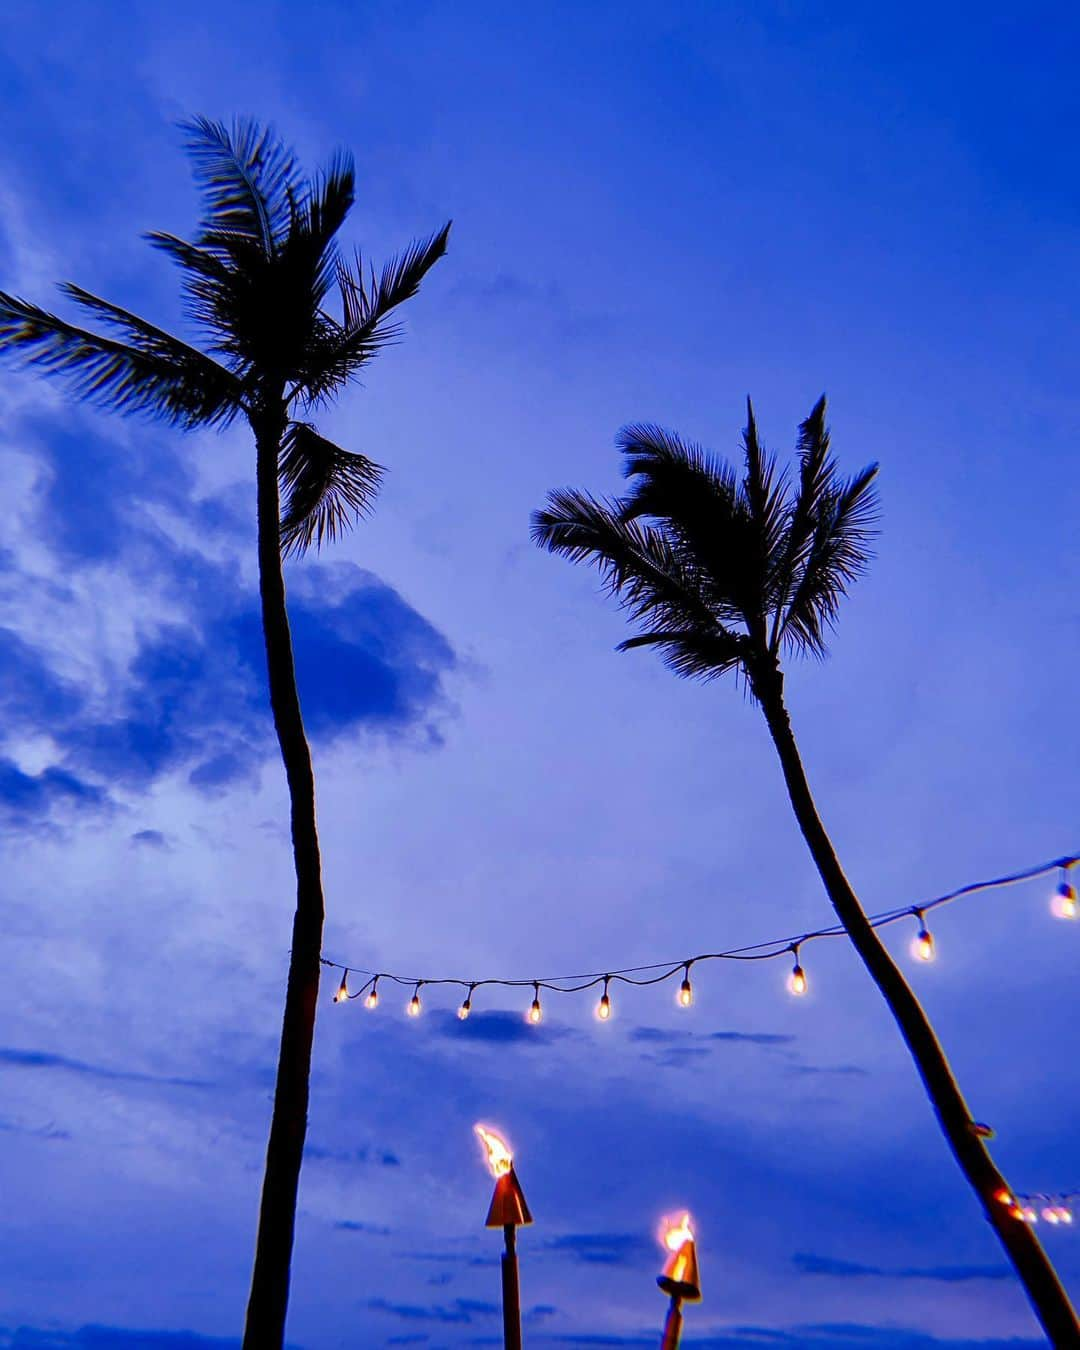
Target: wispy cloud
811, 1264
45, 1060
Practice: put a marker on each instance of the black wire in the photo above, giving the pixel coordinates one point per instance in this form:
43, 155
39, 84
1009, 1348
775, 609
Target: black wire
759, 951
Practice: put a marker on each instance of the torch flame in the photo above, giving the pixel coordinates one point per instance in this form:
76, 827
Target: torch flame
675, 1235
499, 1157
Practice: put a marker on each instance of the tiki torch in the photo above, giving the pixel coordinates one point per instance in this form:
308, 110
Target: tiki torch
508, 1211
680, 1279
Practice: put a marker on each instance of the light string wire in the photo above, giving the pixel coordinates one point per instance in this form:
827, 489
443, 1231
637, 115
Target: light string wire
1065, 906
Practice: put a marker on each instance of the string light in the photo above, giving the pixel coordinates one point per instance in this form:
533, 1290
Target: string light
797, 979
922, 944
1056, 1210
1064, 904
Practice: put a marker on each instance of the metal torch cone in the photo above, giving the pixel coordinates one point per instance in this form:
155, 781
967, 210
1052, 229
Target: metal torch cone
681, 1280
509, 1212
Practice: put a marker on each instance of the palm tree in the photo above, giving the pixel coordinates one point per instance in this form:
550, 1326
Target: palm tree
727, 574
257, 282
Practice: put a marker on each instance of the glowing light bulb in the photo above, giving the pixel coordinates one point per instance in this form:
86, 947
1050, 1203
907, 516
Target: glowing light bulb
414, 1003
465, 1009
372, 1000
1004, 1197
922, 945
343, 989
686, 992
536, 1013
1030, 1216
797, 979
1063, 905
603, 1008
1051, 1214
1065, 1214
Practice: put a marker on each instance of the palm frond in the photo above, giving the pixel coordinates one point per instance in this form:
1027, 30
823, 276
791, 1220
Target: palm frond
637, 564
326, 489
219, 386
367, 303
698, 499
765, 490
248, 179
692, 653
844, 522
143, 377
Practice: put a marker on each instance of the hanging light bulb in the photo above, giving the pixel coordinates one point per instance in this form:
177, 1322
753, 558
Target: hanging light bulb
1065, 1214
603, 1008
343, 989
922, 944
1051, 1214
1029, 1215
466, 1007
686, 993
1004, 1197
797, 979
1063, 905
535, 1015
372, 1000
414, 1002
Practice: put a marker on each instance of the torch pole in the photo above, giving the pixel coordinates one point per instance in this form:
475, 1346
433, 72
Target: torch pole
511, 1292
673, 1325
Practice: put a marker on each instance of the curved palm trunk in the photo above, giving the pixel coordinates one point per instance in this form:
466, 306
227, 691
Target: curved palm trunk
1048, 1298
265, 1325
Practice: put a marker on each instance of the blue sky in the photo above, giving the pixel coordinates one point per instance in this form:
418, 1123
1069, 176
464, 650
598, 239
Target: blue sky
658, 209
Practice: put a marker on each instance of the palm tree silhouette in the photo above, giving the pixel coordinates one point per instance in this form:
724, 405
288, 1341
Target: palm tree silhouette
727, 574
257, 281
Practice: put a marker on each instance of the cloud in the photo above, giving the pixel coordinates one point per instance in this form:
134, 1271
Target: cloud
462, 1310
600, 1249
362, 1156
153, 839
810, 1264
110, 1338
42, 1059
498, 1028
26, 798
50, 1132
356, 1226
663, 1035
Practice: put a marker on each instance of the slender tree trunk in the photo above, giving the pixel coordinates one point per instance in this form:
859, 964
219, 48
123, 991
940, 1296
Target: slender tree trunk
1048, 1298
265, 1325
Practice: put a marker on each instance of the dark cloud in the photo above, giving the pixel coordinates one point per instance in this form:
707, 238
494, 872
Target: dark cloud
666, 1036
461, 1310
110, 1338
499, 1028
42, 1059
50, 1132
194, 695
818, 1336
362, 1156
27, 798
600, 1249
150, 839
357, 1226
810, 1264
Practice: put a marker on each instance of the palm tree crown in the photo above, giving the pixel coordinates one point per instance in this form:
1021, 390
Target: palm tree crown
721, 572
257, 279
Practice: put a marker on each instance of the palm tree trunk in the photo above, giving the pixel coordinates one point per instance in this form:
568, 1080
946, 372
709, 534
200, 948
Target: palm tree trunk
265, 1325
1048, 1298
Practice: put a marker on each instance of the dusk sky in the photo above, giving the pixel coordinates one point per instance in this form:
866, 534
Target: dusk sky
658, 209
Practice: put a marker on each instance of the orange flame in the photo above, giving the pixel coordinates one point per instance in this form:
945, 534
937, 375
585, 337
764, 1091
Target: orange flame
675, 1235
499, 1157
